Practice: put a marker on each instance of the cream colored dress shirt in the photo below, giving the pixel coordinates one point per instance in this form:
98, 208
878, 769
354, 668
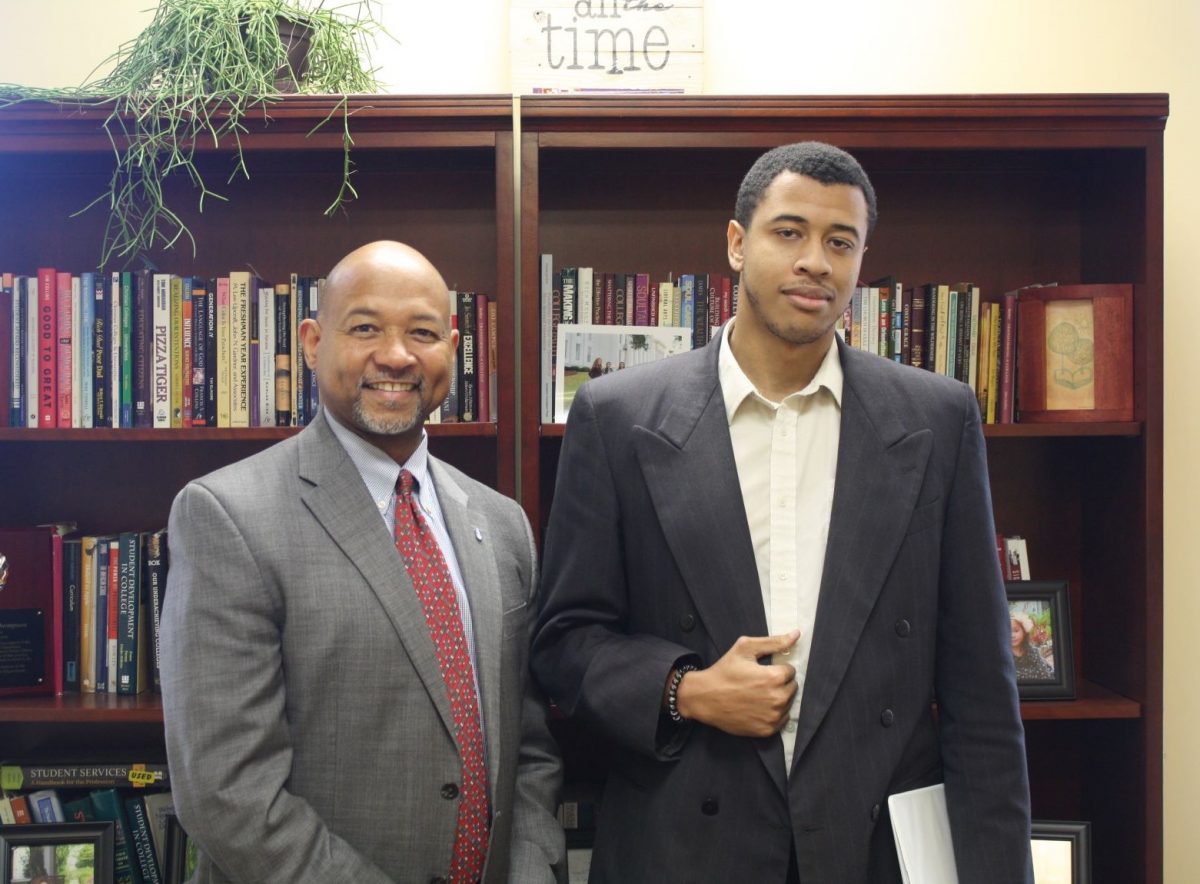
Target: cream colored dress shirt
786, 456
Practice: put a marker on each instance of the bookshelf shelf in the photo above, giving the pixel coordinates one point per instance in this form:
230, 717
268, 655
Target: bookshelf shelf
1001, 190
97, 709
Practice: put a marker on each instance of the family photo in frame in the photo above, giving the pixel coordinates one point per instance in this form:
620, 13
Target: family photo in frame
1062, 852
1040, 622
57, 853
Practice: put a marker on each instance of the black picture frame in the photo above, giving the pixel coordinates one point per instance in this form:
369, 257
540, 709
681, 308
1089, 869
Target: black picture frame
1078, 835
1046, 663
99, 834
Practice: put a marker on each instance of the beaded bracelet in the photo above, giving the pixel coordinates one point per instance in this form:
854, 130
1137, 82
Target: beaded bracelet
673, 690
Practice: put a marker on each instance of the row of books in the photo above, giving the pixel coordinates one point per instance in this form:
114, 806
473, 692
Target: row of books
149, 845
146, 349
83, 613
585, 296
946, 328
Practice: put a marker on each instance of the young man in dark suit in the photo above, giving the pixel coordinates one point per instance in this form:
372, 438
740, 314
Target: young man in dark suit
346, 633
766, 560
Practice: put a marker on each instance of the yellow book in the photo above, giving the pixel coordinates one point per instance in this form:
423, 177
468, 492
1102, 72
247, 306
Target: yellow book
994, 363
87, 616
943, 330
239, 348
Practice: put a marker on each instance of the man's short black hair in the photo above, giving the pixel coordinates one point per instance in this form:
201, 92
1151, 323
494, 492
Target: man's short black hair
820, 161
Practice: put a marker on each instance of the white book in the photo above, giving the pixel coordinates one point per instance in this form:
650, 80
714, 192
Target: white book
547, 314
31, 351
160, 367
921, 827
87, 348
114, 339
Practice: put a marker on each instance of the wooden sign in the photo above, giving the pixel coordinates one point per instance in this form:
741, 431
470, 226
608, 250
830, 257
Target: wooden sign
606, 46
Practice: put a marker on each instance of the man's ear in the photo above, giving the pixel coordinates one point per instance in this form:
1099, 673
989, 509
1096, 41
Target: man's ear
310, 334
735, 236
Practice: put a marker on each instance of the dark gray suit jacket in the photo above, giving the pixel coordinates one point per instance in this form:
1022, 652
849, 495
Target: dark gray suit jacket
648, 560
308, 727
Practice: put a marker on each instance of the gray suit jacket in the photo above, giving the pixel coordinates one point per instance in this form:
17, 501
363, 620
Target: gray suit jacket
648, 561
308, 727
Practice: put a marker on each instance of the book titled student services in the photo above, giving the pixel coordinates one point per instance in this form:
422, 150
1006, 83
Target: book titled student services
93, 775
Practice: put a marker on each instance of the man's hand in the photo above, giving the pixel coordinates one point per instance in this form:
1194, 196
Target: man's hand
739, 695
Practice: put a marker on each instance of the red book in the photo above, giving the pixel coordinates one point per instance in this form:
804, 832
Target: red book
6, 348
726, 298
483, 408
47, 344
65, 336
30, 604
1008, 357
20, 809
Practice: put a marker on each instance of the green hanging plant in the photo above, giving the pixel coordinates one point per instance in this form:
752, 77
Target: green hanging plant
191, 78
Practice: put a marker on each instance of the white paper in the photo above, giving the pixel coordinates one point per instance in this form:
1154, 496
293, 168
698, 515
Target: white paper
922, 830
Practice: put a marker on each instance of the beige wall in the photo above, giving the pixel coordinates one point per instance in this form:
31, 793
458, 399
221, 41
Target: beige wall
785, 46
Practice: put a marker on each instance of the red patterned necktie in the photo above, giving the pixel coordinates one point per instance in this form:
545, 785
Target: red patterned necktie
431, 579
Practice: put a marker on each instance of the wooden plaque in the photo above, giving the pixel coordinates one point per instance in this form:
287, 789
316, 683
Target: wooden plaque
1075, 353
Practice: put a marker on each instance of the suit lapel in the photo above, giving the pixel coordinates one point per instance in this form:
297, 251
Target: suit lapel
689, 469
472, 539
880, 467
339, 501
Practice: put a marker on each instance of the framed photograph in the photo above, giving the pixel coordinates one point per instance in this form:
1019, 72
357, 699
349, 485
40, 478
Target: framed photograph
1075, 353
586, 352
1040, 621
57, 853
1062, 852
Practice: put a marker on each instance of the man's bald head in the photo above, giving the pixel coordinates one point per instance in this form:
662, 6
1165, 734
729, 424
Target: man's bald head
384, 262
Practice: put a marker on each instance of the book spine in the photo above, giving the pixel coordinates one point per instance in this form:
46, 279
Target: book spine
160, 364
53, 637
85, 350
568, 280
451, 406
314, 392
687, 301
239, 348
584, 293
127, 613
546, 294
255, 355
104, 584
700, 330
266, 356
993, 365
283, 356
483, 352
143, 349
175, 360
156, 585
141, 842
113, 641
73, 576
211, 361
106, 804
918, 330
122, 371
47, 349
972, 359
493, 351
222, 367
641, 299
7, 350
187, 354
468, 385
1008, 355
91, 775
97, 552
199, 353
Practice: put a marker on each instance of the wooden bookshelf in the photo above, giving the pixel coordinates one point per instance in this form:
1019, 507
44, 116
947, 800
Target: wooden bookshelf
1002, 190
432, 171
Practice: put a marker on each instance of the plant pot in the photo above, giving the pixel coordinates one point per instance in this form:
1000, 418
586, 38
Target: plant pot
295, 36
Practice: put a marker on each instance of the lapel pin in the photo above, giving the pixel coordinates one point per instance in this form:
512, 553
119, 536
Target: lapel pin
479, 535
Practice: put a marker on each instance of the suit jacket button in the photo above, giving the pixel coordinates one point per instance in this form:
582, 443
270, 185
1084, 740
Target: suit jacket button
710, 806
450, 791
887, 718
687, 622
903, 628
875, 813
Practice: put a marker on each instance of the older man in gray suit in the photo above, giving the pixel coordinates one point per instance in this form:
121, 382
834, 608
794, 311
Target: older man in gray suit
779, 498
345, 636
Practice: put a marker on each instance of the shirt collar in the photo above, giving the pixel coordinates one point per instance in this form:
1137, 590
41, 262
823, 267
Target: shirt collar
736, 387
377, 469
